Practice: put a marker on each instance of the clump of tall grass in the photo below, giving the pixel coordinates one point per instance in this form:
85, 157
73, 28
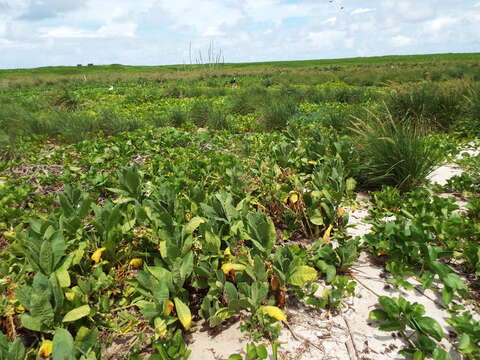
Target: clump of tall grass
177, 116
469, 124
276, 111
200, 112
218, 120
64, 99
393, 153
247, 101
437, 103
339, 92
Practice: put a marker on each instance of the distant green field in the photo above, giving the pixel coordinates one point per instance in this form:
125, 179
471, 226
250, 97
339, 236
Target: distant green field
103, 69
143, 205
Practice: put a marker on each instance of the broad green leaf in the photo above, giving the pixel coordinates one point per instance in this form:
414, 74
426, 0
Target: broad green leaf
302, 274
440, 354
466, 346
378, 315
392, 326
453, 281
46, 257
63, 277
262, 351
63, 347
31, 323
192, 225
389, 306
261, 231
230, 292
183, 312
16, 350
418, 355
77, 313
235, 357
251, 352
447, 295
430, 327
317, 219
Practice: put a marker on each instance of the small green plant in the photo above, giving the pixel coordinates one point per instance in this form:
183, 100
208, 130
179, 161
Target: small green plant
468, 330
421, 332
253, 352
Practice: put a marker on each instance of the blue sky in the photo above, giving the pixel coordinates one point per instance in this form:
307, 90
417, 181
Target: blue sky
151, 32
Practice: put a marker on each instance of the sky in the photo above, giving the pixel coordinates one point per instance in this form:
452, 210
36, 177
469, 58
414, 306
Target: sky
37, 33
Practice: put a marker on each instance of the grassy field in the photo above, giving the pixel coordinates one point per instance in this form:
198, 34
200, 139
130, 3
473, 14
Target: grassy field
141, 201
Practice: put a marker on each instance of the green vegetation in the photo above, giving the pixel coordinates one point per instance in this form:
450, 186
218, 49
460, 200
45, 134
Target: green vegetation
141, 201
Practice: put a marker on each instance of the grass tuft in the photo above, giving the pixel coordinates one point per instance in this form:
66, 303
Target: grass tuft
393, 153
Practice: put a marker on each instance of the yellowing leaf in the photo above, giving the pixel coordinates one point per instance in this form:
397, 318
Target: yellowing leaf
326, 236
70, 296
136, 263
183, 313
168, 308
340, 212
160, 327
97, 255
274, 312
228, 267
228, 252
293, 197
45, 349
302, 274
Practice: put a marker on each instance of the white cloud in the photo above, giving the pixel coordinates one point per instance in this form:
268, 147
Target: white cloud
105, 31
159, 31
66, 32
327, 39
331, 20
360, 11
401, 41
440, 23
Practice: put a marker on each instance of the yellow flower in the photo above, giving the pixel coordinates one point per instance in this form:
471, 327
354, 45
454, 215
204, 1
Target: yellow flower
168, 308
97, 255
45, 349
228, 252
274, 312
136, 263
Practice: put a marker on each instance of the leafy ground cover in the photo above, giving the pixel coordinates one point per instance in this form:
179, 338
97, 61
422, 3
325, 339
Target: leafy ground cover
147, 205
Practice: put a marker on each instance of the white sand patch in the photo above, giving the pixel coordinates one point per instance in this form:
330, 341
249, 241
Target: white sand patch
443, 173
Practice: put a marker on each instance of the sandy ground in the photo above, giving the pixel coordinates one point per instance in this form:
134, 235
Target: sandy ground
314, 334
